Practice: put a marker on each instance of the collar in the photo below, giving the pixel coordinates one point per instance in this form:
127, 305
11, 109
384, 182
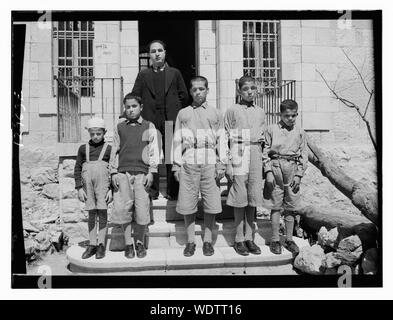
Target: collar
246, 103
138, 121
282, 125
96, 144
159, 69
204, 105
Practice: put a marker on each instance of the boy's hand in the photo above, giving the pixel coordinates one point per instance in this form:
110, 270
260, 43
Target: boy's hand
115, 182
220, 173
82, 195
176, 175
270, 180
148, 181
295, 184
229, 172
109, 197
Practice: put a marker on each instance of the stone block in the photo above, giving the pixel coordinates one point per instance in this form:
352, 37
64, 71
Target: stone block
40, 52
308, 72
291, 54
33, 71
106, 52
207, 56
207, 39
291, 36
112, 33
308, 105
206, 24
40, 35
208, 71
129, 57
290, 23
227, 88
292, 71
40, 89
129, 75
321, 54
237, 35
225, 71
327, 104
325, 37
47, 106
30, 105
316, 23
346, 37
314, 89
125, 25
230, 52
129, 38
317, 121
236, 69
45, 71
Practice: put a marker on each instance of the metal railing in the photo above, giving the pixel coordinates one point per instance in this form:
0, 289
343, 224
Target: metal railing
270, 96
69, 103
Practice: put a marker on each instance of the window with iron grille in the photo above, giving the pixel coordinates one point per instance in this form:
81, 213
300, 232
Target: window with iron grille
73, 55
261, 51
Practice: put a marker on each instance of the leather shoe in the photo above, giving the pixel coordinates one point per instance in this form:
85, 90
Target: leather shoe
291, 246
207, 249
100, 251
190, 249
275, 247
89, 252
241, 248
129, 251
252, 247
140, 250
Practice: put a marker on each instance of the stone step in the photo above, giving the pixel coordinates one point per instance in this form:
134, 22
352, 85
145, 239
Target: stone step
172, 258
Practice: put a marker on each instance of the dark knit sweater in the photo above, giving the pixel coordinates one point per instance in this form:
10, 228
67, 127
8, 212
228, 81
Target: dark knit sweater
94, 153
132, 146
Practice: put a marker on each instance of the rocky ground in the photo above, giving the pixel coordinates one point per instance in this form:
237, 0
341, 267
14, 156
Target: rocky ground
54, 217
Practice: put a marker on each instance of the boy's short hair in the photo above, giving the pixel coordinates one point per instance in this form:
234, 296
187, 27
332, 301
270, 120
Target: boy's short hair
156, 41
199, 78
129, 96
288, 105
245, 79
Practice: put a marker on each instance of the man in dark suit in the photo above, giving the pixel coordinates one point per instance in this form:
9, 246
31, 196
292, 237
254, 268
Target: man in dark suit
163, 94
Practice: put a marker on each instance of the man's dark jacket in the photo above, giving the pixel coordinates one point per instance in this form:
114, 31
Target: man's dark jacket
176, 96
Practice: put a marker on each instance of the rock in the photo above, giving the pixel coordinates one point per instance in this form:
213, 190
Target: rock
28, 198
68, 168
43, 175
350, 243
45, 245
51, 191
52, 218
310, 260
57, 240
68, 190
331, 261
42, 236
75, 231
331, 271
348, 257
369, 262
30, 246
29, 227
73, 217
327, 238
71, 205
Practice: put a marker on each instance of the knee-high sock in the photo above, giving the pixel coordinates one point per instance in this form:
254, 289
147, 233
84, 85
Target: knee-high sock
250, 218
102, 225
289, 224
127, 233
139, 233
209, 221
189, 221
275, 218
92, 225
239, 224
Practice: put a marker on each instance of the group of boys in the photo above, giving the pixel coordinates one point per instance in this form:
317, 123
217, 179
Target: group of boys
206, 147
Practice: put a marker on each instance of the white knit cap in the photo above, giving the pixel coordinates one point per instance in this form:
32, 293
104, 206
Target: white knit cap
95, 123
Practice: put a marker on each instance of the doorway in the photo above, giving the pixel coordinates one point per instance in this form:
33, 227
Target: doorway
179, 38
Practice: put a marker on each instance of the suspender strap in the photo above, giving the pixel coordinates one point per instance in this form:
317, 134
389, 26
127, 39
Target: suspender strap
87, 153
103, 152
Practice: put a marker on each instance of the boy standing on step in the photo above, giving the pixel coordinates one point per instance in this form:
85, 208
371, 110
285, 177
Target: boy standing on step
134, 159
92, 181
245, 125
285, 161
199, 163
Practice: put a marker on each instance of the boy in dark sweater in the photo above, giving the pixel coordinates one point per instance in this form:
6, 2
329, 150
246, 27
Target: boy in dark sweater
92, 181
134, 158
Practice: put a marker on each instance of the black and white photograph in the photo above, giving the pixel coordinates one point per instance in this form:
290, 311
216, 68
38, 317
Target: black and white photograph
223, 148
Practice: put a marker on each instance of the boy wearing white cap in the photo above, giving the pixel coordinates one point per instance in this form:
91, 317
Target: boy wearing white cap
92, 180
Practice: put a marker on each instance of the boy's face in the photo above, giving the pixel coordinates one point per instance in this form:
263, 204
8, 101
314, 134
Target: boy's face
248, 91
96, 134
132, 109
199, 92
289, 117
157, 54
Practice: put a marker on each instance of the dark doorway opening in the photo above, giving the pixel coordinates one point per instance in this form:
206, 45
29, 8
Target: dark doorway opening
179, 37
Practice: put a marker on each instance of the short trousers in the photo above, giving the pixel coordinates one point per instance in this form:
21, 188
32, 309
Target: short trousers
131, 194
96, 184
195, 178
246, 189
282, 196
